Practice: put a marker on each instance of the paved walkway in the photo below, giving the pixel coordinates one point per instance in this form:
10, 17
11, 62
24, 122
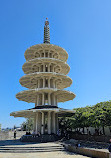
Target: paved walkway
17, 149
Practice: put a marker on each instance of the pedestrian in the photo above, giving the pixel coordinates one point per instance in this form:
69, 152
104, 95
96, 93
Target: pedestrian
76, 145
58, 132
109, 149
38, 134
15, 134
33, 133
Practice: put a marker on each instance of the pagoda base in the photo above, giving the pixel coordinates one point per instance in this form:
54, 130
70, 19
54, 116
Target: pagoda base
44, 138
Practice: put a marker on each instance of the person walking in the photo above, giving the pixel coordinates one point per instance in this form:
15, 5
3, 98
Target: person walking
15, 134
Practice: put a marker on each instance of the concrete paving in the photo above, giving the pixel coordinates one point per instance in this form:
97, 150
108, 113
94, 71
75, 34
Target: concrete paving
17, 149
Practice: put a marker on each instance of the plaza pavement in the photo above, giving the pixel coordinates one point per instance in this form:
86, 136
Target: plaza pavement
17, 149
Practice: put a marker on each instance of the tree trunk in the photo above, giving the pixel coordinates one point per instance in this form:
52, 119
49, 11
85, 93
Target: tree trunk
103, 131
87, 130
83, 130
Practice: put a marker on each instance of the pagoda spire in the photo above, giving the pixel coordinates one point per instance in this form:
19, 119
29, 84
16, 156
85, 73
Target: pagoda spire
46, 32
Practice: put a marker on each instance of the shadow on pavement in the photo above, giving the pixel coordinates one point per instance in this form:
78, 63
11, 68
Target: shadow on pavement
14, 142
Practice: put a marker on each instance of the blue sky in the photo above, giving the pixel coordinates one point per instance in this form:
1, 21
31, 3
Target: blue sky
82, 27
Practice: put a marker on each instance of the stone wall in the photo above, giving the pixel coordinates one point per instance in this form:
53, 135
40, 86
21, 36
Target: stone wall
18, 134
87, 152
4, 135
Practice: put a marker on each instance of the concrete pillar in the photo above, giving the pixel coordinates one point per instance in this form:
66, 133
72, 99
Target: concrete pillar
43, 67
43, 99
54, 83
38, 83
43, 82
57, 123
49, 99
52, 68
54, 99
39, 122
36, 123
49, 122
48, 82
35, 103
34, 127
43, 121
37, 99
53, 123
49, 67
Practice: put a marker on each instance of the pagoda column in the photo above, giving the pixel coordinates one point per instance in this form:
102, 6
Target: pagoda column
54, 99
53, 123
38, 83
48, 67
43, 99
57, 123
34, 126
54, 86
36, 123
43, 122
48, 82
49, 99
52, 68
37, 100
39, 122
43, 82
49, 122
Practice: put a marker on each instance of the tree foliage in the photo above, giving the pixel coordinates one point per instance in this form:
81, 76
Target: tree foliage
28, 124
97, 116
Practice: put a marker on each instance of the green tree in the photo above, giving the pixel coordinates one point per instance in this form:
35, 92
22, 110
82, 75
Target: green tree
102, 113
97, 116
66, 123
28, 124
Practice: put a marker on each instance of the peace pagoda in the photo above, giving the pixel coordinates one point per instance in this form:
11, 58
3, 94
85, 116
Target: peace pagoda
45, 79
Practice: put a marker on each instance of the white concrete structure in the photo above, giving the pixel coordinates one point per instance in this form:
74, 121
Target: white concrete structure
46, 71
